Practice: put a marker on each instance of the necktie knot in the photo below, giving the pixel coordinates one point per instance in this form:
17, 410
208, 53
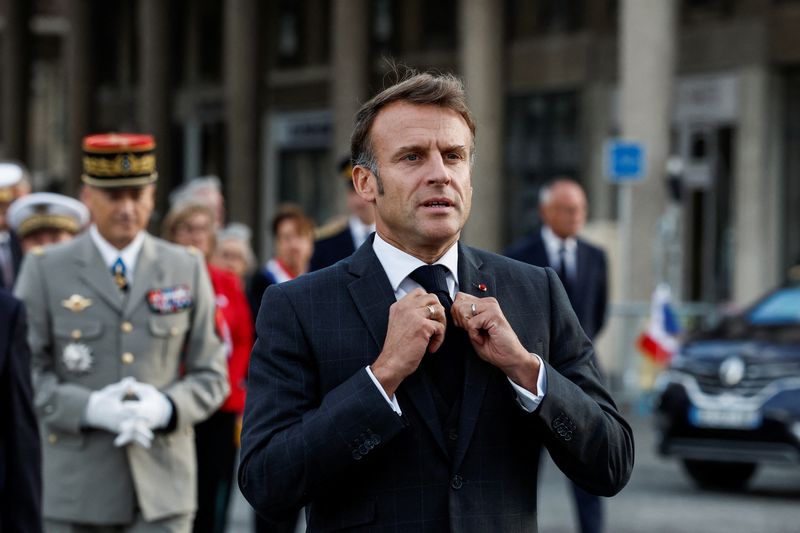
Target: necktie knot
433, 278
118, 270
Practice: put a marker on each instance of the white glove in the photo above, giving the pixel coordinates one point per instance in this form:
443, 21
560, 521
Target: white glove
134, 430
106, 410
153, 406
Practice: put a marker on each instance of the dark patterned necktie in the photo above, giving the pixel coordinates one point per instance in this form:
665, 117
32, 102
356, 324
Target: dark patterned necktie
446, 366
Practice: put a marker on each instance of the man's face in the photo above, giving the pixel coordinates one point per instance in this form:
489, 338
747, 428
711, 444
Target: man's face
44, 237
565, 213
423, 156
231, 255
120, 213
293, 247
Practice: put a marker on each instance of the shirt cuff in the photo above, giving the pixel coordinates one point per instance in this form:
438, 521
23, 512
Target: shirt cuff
525, 398
391, 401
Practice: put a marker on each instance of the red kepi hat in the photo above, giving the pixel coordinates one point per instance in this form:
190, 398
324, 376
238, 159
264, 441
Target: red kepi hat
119, 160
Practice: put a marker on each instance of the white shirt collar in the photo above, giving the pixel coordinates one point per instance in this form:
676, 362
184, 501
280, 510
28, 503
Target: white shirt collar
359, 231
553, 241
110, 253
398, 265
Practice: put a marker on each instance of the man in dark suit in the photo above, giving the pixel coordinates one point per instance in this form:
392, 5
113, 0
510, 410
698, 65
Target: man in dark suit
582, 270
341, 238
20, 462
13, 179
412, 386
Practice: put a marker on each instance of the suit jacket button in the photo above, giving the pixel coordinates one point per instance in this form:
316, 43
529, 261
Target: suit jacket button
126, 327
363, 450
457, 482
356, 455
128, 358
452, 434
376, 439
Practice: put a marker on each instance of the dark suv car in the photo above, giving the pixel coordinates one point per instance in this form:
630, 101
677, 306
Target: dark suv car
731, 397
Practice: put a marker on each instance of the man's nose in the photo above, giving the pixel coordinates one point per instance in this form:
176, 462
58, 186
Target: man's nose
437, 171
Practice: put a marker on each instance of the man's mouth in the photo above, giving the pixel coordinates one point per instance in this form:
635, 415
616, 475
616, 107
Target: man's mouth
438, 203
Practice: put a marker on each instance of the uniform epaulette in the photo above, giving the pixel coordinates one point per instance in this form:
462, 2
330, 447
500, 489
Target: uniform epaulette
331, 228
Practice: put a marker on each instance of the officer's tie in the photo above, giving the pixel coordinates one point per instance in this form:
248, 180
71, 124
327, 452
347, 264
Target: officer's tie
446, 366
118, 270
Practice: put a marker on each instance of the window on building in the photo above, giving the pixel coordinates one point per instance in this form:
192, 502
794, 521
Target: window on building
440, 25
542, 143
790, 238
695, 11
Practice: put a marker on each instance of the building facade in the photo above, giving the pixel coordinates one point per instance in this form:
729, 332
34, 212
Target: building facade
262, 94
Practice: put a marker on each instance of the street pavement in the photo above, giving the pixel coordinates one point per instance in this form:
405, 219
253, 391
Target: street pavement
660, 498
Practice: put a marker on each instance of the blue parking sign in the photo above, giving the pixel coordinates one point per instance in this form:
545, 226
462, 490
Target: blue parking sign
625, 161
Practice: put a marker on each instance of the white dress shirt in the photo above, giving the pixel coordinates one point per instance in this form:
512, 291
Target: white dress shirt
398, 265
553, 243
110, 253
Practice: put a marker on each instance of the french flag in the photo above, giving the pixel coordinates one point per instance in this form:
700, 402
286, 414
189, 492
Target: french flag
660, 341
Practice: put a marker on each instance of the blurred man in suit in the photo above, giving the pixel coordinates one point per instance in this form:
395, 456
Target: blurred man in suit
411, 386
125, 356
340, 239
582, 269
20, 460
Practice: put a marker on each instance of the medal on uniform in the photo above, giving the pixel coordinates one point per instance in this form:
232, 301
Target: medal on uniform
170, 299
76, 303
77, 358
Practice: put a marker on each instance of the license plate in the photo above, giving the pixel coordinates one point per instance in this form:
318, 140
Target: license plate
724, 418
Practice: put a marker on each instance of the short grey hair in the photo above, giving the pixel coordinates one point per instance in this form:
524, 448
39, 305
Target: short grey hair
189, 190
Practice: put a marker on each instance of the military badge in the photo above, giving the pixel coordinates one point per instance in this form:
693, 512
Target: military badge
170, 299
77, 357
76, 303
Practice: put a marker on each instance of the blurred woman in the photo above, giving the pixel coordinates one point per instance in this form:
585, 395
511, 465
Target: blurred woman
217, 437
293, 237
233, 251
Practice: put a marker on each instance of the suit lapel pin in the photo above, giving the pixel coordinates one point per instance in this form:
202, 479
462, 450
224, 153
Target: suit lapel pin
481, 287
76, 303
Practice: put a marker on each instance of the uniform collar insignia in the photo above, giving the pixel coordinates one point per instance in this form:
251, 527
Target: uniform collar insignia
76, 303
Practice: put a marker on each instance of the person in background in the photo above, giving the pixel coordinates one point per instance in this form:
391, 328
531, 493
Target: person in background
234, 252
20, 448
44, 218
340, 239
206, 190
217, 437
126, 359
582, 269
12, 186
293, 237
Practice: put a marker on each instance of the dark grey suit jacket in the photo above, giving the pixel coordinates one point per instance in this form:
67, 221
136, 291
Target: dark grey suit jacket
317, 431
590, 293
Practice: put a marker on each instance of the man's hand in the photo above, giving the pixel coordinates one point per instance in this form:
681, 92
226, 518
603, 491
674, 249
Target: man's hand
152, 406
416, 325
134, 430
106, 410
493, 339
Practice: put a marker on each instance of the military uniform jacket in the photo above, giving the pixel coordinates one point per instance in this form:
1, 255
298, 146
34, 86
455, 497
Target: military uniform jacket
160, 332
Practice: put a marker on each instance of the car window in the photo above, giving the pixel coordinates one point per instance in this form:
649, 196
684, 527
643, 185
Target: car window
780, 308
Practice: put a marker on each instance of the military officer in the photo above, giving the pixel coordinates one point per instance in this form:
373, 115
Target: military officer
125, 356
45, 218
12, 181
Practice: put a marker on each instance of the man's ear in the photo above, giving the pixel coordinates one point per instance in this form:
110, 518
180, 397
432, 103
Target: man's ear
364, 183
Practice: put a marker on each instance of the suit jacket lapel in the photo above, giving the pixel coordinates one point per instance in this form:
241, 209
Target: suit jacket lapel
372, 294
471, 280
147, 275
92, 271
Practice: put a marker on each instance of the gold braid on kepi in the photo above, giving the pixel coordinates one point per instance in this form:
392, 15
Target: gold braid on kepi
119, 160
37, 222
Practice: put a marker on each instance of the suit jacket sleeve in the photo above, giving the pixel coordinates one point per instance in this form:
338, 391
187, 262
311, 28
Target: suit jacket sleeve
204, 385
20, 506
585, 434
294, 438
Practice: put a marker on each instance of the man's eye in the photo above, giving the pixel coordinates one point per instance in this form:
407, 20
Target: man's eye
454, 156
412, 157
